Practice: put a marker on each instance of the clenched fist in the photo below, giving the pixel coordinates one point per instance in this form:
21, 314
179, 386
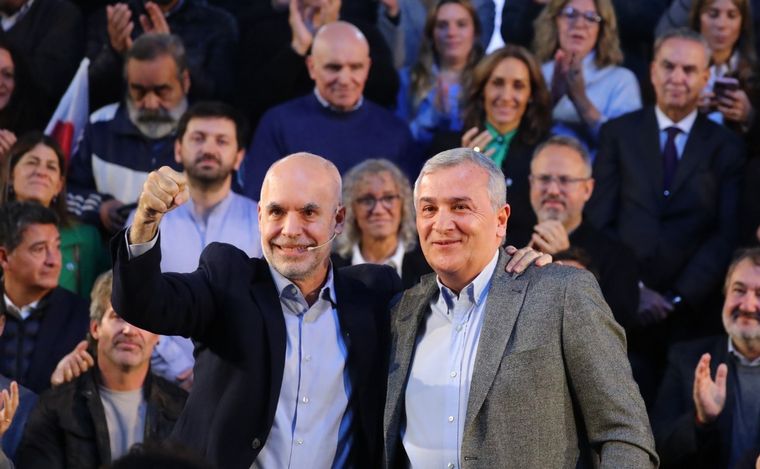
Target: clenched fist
163, 191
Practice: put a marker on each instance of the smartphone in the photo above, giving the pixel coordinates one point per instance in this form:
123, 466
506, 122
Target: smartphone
723, 84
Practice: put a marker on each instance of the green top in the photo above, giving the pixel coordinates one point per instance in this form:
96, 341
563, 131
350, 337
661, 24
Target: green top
499, 142
83, 258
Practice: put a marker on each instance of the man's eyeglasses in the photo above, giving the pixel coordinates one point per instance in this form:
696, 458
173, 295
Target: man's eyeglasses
544, 180
572, 14
369, 202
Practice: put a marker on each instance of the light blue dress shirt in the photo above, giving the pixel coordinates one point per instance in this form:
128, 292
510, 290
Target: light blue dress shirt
312, 421
613, 90
441, 372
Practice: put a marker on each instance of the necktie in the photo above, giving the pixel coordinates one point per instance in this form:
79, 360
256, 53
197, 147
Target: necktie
670, 158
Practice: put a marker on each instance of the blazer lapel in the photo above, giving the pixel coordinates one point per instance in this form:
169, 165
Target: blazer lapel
693, 152
264, 294
502, 308
408, 316
651, 153
356, 328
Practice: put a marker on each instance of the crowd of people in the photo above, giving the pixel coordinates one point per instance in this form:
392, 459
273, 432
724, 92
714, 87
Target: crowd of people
387, 233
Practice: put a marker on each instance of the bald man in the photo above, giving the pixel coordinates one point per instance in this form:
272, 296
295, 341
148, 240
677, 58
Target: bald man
293, 361
335, 120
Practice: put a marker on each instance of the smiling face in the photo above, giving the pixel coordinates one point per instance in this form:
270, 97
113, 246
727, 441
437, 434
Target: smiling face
381, 221
7, 78
741, 308
720, 23
453, 33
339, 65
459, 228
679, 73
209, 150
299, 208
37, 175
578, 36
506, 94
121, 344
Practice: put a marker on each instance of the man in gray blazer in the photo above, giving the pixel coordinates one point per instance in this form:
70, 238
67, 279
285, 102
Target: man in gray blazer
488, 370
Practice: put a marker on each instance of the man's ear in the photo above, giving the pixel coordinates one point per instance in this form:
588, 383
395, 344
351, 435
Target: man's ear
4, 257
94, 329
239, 159
2, 324
340, 220
310, 66
178, 151
186, 81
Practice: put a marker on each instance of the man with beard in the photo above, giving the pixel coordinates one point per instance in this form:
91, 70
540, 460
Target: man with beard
210, 147
704, 422
96, 418
124, 141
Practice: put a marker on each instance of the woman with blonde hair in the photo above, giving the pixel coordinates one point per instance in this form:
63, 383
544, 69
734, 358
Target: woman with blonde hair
578, 42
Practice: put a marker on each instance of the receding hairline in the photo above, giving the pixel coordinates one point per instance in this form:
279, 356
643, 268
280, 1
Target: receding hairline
307, 158
336, 31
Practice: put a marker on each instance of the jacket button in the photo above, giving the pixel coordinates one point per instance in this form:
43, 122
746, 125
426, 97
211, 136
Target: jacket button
256, 444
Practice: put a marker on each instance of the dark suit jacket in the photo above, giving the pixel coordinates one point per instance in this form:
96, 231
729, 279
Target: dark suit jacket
680, 442
63, 323
231, 307
516, 168
413, 266
615, 265
683, 242
550, 380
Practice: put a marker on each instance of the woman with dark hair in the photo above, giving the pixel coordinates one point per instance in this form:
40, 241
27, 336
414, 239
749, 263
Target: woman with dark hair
19, 107
36, 171
578, 42
733, 86
430, 94
508, 115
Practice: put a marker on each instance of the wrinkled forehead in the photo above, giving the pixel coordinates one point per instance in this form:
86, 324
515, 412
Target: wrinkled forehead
684, 52
464, 180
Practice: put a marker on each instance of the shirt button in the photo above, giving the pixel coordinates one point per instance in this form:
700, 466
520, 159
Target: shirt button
459, 328
667, 193
307, 358
453, 374
305, 400
451, 465
299, 441
451, 418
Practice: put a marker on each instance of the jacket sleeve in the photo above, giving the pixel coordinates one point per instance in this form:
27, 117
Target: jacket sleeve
600, 378
42, 445
706, 268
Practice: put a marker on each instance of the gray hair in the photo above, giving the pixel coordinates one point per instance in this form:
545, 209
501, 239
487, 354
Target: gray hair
150, 46
567, 142
682, 33
497, 185
407, 231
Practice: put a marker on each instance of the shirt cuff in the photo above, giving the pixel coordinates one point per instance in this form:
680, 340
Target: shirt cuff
137, 250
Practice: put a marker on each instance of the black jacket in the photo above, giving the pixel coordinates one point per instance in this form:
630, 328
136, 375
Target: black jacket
68, 427
231, 307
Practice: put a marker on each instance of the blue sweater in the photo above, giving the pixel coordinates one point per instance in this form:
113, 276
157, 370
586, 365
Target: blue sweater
345, 138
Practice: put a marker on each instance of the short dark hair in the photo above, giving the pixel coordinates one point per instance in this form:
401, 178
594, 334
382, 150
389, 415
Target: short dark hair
153, 45
750, 254
211, 110
16, 217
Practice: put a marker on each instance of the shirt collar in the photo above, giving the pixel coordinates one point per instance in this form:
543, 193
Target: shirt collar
738, 355
685, 124
220, 207
8, 21
395, 260
21, 312
327, 105
290, 295
474, 291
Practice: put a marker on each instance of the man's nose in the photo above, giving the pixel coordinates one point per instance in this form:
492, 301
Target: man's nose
291, 226
751, 302
151, 101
